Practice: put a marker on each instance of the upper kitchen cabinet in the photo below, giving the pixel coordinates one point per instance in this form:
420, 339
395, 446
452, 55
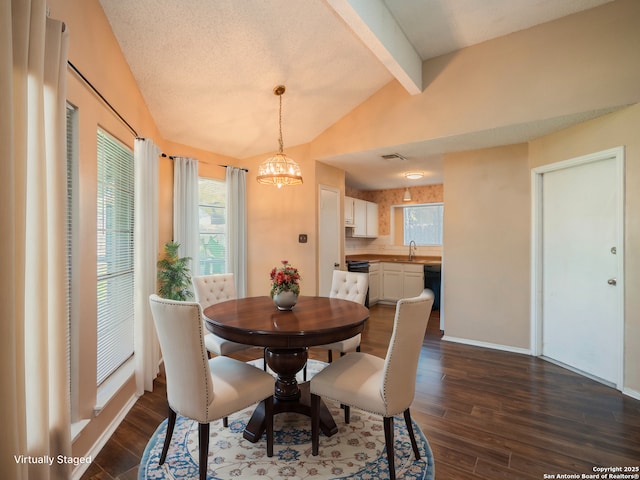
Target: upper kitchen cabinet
365, 219
349, 220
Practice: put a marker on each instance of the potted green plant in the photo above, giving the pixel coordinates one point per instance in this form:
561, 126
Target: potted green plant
174, 274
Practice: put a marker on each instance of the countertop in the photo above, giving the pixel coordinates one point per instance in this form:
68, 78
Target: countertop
418, 260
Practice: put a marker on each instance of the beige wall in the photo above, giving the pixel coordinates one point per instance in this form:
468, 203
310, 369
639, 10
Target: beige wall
486, 246
616, 129
579, 63
275, 217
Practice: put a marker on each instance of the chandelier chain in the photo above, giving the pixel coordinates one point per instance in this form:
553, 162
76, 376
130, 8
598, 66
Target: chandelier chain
280, 123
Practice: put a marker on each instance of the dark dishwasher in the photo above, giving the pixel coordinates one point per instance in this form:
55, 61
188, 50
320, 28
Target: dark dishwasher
432, 280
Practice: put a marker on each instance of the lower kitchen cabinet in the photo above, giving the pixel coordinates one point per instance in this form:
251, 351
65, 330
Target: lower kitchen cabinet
401, 280
413, 280
392, 287
374, 283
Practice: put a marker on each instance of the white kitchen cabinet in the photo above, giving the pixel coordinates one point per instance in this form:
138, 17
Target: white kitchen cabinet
401, 280
372, 219
359, 218
349, 219
392, 283
412, 280
374, 283
365, 218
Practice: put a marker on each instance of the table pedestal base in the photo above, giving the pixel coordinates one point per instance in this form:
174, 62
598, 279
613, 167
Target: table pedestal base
288, 395
256, 426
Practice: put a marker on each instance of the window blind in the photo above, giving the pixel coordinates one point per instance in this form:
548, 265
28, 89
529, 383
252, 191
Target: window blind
423, 224
71, 117
115, 254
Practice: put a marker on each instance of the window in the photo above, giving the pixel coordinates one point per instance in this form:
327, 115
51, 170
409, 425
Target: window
212, 202
423, 224
115, 254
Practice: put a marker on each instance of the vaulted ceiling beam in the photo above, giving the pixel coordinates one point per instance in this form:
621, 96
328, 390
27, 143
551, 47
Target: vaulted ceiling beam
372, 22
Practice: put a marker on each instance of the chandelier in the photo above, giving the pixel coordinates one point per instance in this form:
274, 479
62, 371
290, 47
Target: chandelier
279, 170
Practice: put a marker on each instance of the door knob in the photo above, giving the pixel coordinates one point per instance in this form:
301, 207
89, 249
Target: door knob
612, 281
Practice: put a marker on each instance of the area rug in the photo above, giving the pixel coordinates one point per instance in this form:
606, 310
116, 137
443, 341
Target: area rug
357, 451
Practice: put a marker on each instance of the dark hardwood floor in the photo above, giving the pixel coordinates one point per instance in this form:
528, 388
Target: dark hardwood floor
487, 414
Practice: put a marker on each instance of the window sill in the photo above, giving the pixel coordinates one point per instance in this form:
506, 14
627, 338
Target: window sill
77, 427
112, 385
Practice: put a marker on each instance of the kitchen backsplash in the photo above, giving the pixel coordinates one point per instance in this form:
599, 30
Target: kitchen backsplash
382, 246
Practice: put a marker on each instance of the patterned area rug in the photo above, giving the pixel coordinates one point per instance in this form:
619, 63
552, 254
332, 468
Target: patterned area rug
357, 451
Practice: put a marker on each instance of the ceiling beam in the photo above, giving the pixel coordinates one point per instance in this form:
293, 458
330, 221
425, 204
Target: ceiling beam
372, 22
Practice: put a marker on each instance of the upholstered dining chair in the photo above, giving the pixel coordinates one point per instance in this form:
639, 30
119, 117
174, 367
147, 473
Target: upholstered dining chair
383, 386
200, 388
348, 286
211, 289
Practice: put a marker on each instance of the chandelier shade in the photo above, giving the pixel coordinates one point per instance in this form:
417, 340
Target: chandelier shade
279, 170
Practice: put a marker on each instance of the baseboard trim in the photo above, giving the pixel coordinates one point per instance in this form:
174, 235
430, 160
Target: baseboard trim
631, 393
104, 438
493, 346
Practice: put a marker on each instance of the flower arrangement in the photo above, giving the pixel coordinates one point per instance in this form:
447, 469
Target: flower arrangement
285, 278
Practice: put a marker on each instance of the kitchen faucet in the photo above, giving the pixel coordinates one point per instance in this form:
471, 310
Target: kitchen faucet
412, 249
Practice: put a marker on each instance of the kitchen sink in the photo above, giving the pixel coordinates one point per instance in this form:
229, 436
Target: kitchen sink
416, 261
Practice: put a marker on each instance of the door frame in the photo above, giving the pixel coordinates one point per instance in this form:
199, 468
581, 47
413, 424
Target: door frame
537, 173
339, 211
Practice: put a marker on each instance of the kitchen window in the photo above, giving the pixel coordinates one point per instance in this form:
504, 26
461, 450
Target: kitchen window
423, 224
212, 203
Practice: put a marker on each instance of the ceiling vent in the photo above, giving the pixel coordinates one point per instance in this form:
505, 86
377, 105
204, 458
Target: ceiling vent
393, 156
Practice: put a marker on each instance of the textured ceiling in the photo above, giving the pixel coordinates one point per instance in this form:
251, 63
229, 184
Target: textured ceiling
206, 68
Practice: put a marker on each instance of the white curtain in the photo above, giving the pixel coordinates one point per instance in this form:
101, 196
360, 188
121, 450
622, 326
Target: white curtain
237, 227
33, 314
185, 209
145, 235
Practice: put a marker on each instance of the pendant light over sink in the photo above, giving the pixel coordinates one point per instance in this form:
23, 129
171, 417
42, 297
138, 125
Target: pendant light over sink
279, 170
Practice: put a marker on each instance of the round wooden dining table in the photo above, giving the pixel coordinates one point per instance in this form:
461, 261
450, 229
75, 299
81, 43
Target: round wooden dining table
286, 336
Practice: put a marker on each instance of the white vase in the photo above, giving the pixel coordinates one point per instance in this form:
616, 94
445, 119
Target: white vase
285, 300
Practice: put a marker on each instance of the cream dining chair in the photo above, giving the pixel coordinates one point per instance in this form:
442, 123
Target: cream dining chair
383, 386
200, 388
351, 286
211, 289
348, 286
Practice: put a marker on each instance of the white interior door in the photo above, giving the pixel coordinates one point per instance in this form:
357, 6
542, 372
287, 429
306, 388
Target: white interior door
330, 232
581, 248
